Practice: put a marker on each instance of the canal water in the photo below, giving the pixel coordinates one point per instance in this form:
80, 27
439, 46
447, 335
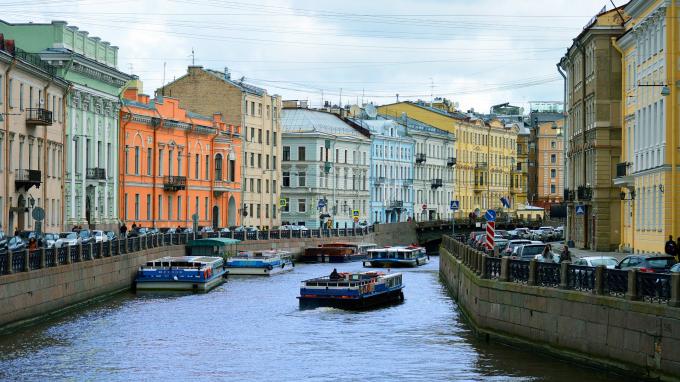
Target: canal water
250, 329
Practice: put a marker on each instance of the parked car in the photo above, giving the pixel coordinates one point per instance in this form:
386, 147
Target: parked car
86, 236
207, 229
512, 244
594, 261
225, 230
649, 263
66, 239
528, 251
16, 244
523, 233
675, 268
51, 239
3, 240
99, 236
111, 235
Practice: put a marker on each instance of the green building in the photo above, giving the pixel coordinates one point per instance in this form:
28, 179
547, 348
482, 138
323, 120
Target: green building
92, 110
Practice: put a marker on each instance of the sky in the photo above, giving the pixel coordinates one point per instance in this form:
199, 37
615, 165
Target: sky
476, 53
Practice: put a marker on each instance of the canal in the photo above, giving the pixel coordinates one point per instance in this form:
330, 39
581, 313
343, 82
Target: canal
250, 329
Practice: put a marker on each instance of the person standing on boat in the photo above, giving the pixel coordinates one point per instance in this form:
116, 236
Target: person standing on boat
334, 275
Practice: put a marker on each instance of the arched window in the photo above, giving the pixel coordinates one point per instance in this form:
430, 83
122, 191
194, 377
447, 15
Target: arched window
218, 167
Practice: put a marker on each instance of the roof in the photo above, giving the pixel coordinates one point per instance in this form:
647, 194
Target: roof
214, 242
417, 125
239, 84
316, 121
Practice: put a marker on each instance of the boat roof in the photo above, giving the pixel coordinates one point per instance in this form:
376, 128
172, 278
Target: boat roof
395, 249
213, 242
188, 259
265, 253
348, 275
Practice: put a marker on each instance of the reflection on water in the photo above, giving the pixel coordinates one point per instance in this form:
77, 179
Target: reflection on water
250, 328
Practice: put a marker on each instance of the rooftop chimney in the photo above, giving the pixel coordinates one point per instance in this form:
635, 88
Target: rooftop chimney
227, 75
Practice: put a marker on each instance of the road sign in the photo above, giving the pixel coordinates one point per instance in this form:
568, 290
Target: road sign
321, 204
283, 202
580, 209
38, 213
455, 205
355, 213
505, 202
490, 233
356, 219
490, 216
424, 207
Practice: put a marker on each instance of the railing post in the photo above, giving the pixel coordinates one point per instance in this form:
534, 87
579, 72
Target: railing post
480, 263
532, 272
599, 279
42, 258
67, 258
482, 267
126, 245
91, 250
505, 269
27, 261
9, 262
632, 294
80, 252
675, 290
564, 274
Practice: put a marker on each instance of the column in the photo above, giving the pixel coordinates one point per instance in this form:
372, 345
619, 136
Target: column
71, 157
95, 162
114, 165
83, 148
105, 147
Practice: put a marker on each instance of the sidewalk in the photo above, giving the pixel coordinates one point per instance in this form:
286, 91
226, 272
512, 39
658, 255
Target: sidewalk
575, 252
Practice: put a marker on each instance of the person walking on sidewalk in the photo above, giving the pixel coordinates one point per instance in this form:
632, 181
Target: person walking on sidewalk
671, 248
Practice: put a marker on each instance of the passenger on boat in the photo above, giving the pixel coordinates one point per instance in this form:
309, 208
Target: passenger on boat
334, 275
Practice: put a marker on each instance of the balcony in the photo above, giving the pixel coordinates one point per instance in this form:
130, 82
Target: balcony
479, 187
174, 183
584, 193
396, 204
96, 173
27, 178
407, 182
421, 158
481, 166
38, 116
436, 183
220, 186
380, 180
327, 167
451, 162
622, 178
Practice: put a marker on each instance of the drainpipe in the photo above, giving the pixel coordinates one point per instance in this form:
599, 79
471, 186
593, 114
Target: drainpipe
244, 155
121, 149
154, 146
7, 116
624, 143
565, 167
670, 70
583, 136
64, 159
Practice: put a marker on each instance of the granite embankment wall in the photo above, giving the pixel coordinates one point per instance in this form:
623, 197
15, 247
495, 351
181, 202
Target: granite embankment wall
634, 337
31, 295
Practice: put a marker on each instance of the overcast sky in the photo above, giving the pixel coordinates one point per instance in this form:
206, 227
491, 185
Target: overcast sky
477, 53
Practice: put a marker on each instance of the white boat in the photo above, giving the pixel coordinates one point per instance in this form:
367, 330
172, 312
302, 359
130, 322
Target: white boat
393, 257
182, 273
263, 263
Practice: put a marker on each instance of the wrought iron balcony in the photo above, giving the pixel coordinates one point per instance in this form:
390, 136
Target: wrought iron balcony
584, 193
568, 195
436, 183
407, 182
479, 187
38, 116
621, 169
421, 158
27, 178
96, 173
451, 162
380, 180
480, 166
174, 183
396, 204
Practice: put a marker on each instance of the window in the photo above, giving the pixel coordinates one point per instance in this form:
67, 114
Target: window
274, 211
266, 162
149, 161
274, 138
259, 160
207, 167
286, 153
302, 205
21, 96
232, 170
218, 167
136, 160
345, 156
337, 155
160, 207
274, 163
252, 134
252, 159
259, 185
179, 164
252, 184
160, 162
259, 109
553, 158
266, 211
169, 207
553, 144
259, 135
552, 188
266, 186
252, 108
286, 179
286, 205
179, 208
553, 173
205, 202
148, 207
197, 167
301, 153
196, 207
125, 206
259, 212
302, 181
267, 135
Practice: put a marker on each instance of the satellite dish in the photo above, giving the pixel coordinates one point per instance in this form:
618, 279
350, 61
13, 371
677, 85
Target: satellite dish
371, 111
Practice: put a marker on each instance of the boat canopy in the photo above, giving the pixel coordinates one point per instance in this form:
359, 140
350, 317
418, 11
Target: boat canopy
213, 242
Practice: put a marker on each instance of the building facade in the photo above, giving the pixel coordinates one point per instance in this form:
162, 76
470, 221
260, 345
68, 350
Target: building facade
485, 153
648, 170
31, 140
525, 160
175, 164
550, 163
391, 178
325, 170
207, 91
593, 128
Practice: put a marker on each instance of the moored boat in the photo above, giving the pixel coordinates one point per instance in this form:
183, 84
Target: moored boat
336, 252
354, 290
264, 263
181, 273
395, 257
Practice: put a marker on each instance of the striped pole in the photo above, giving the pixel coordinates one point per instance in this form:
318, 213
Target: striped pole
490, 233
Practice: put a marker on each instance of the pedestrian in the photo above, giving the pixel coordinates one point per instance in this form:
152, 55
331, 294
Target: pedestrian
134, 226
32, 244
565, 255
74, 229
16, 232
123, 230
547, 256
671, 248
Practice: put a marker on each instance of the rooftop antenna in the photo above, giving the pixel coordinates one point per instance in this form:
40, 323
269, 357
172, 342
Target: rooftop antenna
322, 104
362, 96
193, 57
340, 98
431, 91
163, 87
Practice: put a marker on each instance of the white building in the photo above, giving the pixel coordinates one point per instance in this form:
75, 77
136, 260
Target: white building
325, 169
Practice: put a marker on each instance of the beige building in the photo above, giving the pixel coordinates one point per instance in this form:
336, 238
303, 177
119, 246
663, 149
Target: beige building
207, 91
550, 160
593, 75
31, 141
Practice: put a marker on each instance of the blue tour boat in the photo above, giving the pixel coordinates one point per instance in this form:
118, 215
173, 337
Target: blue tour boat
354, 290
182, 273
395, 257
264, 263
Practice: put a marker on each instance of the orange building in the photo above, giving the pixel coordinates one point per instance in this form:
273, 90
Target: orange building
550, 160
175, 163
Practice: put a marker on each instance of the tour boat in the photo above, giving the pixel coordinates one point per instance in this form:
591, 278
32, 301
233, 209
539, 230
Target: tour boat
336, 252
264, 263
182, 273
394, 257
353, 290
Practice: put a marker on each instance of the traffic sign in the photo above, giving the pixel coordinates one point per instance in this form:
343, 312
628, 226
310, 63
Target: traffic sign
455, 205
283, 202
580, 209
424, 207
321, 204
490, 233
38, 213
355, 213
490, 216
505, 202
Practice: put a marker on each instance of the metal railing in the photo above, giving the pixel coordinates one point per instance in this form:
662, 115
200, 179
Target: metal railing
174, 183
38, 116
96, 173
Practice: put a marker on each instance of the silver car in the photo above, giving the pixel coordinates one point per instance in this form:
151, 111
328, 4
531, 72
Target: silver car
66, 239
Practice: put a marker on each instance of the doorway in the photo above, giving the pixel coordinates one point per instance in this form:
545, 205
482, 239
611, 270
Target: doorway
215, 217
231, 212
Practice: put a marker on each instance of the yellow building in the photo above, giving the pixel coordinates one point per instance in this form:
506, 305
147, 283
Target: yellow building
486, 155
648, 171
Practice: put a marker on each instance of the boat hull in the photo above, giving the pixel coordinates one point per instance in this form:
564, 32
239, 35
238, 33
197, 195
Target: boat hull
172, 285
326, 258
260, 271
384, 298
395, 263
